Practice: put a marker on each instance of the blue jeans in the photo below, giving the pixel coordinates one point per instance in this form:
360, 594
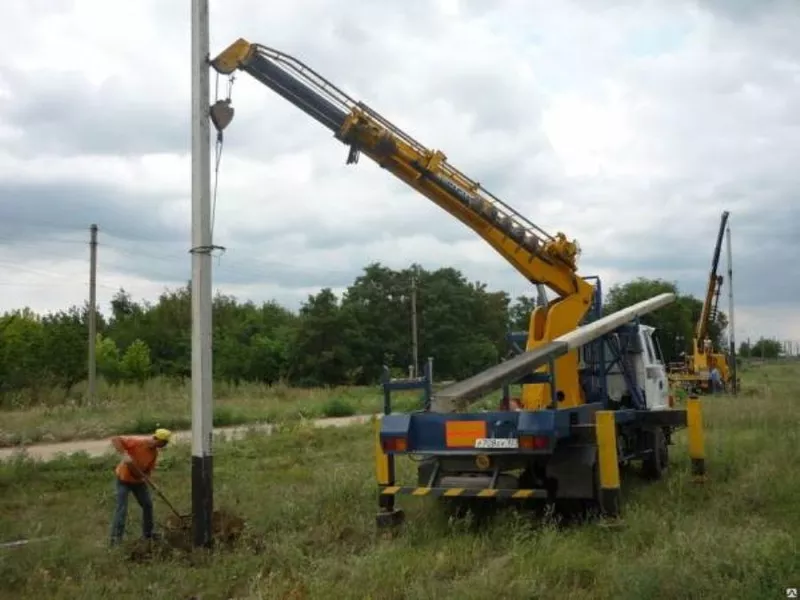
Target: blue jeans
142, 495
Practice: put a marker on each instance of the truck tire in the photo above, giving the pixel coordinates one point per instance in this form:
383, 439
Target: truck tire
656, 462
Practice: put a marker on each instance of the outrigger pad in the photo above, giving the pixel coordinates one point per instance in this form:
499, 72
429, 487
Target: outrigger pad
610, 503
387, 519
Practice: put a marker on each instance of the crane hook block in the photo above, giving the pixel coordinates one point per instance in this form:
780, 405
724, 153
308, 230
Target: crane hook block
221, 113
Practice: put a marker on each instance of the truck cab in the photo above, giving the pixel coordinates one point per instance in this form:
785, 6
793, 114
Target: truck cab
653, 369
636, 372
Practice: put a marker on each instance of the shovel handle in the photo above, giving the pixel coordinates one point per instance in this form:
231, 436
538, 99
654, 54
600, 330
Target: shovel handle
155, 488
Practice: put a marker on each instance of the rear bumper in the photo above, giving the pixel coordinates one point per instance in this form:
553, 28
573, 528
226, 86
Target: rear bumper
429, 433
460, 434
452, 492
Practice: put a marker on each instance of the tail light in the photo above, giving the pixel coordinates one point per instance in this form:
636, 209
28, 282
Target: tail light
533, 442
394, 444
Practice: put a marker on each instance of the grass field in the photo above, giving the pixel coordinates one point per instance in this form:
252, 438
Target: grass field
138, 409
308, 496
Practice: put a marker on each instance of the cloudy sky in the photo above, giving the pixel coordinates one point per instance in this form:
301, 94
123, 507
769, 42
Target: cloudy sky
628, 125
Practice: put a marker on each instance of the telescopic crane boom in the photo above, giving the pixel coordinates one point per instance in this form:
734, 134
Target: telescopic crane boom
541, 258
713, 288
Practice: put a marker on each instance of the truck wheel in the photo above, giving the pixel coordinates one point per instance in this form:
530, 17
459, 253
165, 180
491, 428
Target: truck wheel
657, 461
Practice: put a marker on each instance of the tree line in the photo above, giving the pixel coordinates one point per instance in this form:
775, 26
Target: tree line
330, 340
762, 348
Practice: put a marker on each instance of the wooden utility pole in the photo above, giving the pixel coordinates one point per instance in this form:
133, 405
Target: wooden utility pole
414, 339
92, 311
731, 327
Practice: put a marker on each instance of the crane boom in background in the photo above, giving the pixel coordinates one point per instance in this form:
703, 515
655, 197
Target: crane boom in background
694, 371
710, 304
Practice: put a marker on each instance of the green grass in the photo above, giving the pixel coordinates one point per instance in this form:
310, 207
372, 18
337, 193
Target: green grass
309, 495
139, 409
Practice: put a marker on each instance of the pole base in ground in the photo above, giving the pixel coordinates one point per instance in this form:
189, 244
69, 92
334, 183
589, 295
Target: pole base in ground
388, 519
202, 501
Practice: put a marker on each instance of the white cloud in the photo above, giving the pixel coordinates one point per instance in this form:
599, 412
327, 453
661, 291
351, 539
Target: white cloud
589, 137
629, 126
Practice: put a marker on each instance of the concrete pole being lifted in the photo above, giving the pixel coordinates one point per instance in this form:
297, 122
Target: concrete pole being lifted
202, 409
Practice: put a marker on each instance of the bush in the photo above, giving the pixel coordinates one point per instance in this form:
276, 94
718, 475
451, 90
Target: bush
338, 407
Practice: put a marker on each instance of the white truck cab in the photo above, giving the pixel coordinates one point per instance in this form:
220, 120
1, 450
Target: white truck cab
644, 365
656, 384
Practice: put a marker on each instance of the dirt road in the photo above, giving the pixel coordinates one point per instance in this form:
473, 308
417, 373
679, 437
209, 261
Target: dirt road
100, 447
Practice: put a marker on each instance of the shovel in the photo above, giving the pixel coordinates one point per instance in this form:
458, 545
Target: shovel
183, 518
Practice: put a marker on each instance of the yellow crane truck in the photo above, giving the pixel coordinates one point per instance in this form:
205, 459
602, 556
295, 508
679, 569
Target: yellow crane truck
594, 389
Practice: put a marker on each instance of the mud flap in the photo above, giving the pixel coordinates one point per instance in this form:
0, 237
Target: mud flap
573, 467
425, 470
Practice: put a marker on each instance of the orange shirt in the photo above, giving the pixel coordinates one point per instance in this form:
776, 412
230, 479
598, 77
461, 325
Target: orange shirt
143, 457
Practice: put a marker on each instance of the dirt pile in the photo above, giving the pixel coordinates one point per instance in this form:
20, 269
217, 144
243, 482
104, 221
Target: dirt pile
226, 528
177, 535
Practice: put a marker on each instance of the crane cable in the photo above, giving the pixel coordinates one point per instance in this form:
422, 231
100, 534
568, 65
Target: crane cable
221, 114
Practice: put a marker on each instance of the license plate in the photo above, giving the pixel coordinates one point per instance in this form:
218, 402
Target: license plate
504, 443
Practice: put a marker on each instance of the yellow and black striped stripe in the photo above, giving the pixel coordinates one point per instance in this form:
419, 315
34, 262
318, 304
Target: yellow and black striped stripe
396, 490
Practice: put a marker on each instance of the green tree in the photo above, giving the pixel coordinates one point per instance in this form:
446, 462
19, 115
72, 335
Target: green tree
65, 345
164, 327
519, 314
456, 318
461, 323
744, 350
379, 301
269, 358
766, 348
675, 323
107, 358
320, 352
136, 365
23, 361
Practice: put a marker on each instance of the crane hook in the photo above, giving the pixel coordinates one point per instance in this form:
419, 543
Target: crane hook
221, 113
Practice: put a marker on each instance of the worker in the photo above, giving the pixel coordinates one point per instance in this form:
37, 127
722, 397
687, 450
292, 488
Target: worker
716, 380
139, 456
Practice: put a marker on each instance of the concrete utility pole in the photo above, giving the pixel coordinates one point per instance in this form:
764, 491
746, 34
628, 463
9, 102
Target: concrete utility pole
731, 329
202, 408
414, 338
92, 311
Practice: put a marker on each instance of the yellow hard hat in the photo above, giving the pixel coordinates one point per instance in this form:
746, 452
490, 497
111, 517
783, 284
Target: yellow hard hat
162, 435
